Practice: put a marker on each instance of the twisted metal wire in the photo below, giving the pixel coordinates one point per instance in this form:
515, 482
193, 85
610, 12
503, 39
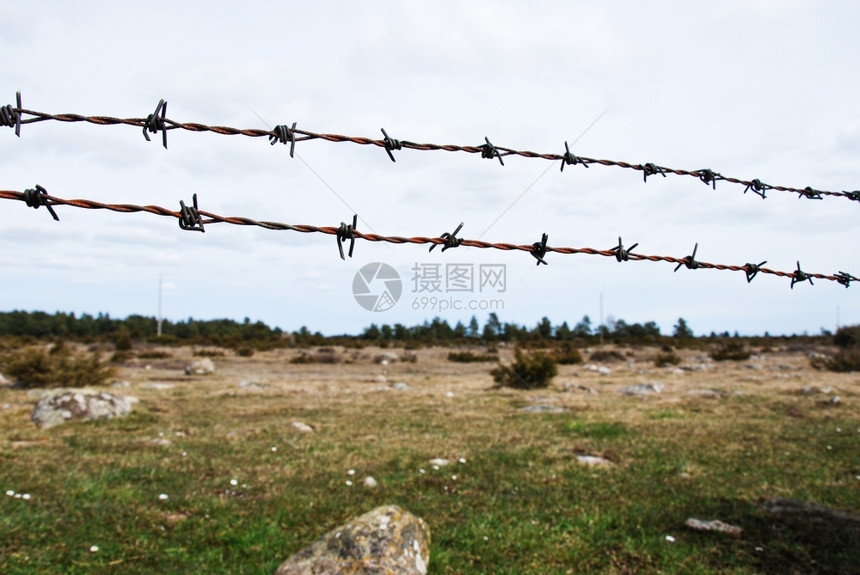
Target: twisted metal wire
284, 134
689, 261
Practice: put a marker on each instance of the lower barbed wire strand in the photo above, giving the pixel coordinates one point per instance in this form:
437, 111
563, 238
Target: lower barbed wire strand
213, 218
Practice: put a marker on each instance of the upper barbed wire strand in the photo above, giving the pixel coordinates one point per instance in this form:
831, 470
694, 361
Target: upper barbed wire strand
709, 177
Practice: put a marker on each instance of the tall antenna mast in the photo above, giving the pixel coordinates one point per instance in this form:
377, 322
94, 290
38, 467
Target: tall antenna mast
158, 332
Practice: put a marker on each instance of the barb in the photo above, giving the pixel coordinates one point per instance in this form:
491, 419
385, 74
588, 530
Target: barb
689, 261
189, 217
446, 240
622, 255
390, 145
159, 122
449, 240
753, 269
10, 116
799, 276
154, 123
347, 232
283, 134
37, 198
539, 250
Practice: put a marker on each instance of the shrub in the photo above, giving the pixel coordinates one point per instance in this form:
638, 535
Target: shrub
207, 352
606, 356
326, 355
154, 354
58, 367
667, 358
732, 350
847, 337
303, 357
245, 351
469, 357
844, 361
567, 355
528, 371
122, 340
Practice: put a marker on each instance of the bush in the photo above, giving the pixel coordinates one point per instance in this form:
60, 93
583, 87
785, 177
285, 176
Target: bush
154, 354
732, 351
667, 358
528, 371
844, 361
207, 352
847, 337
469, 357
327, 355
245, 351
567, 355
59, 367
303, 357
122, 340
606, 356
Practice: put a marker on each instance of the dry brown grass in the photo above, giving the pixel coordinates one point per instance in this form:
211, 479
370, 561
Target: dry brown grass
674, 451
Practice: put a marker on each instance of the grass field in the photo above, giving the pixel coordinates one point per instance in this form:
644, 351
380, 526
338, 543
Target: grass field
245, 489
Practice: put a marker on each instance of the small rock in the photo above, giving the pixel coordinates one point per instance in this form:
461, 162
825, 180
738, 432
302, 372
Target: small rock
832, 402
713, 525
380, 379
449, 394
603, 370
814, 390
543, 408
709, 393
439, 461
4, 382
120, 384
303, 427
250, 385
157, 385
385, 358
676, 371
174, 518
160, 441
595, 460
754, 366
5, 406
400, 386
78, 404
642, 389
370, 482
577, 387
200, 366
385, 540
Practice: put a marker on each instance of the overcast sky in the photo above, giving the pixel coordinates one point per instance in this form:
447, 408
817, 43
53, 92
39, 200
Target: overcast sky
749, 88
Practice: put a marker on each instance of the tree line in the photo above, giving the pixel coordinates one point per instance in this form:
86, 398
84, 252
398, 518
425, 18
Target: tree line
230, 333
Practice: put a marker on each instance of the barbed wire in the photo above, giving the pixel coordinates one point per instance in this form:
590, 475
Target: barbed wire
192, 218
284, 134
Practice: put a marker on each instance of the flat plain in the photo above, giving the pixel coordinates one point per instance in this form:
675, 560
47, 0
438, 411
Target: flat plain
214, 473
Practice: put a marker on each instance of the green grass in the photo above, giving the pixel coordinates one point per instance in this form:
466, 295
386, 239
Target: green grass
519, 504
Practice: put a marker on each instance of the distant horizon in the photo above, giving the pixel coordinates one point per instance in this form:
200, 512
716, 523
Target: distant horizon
666, 332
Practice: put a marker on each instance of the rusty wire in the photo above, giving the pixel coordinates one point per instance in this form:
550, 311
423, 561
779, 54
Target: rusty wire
192, 219
13, 116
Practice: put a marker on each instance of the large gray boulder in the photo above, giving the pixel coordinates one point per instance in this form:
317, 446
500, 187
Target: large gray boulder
64, 405
387, 540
